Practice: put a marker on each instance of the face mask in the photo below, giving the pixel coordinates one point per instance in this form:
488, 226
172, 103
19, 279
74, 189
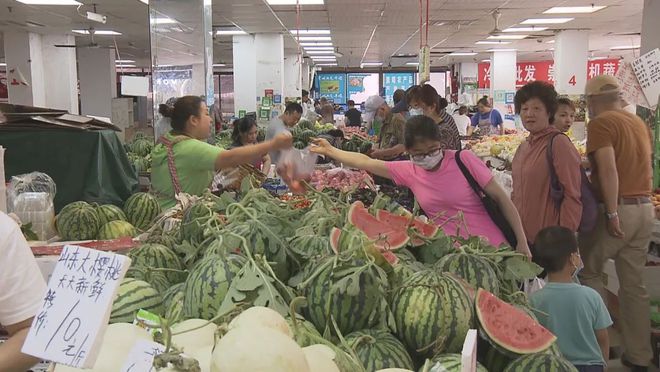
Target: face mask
429, 161
416, 111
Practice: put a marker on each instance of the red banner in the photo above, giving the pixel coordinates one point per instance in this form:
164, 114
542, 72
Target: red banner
544, 71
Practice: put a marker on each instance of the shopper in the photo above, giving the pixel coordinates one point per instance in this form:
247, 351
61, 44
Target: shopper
391, 128
574, 313
619, 148
398, 96
22, 289
536, 103
462, 120
565, 115
353, 116
245, 134
487, 120
309, 112
283, 124
426, 98
401, 106
433, 169
182, 162
327, 113
216, 114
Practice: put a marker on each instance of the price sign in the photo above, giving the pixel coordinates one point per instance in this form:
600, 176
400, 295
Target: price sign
69, 327
469, 353
141, 357
647, 70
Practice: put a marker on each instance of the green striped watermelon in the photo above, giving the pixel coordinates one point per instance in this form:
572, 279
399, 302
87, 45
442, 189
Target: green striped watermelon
169, 239
156, 279
208, 283
141, 210
116, 229
379, 349
159, 257
358, 307
78, 221
434, 250
476, 270
432, 312
171, 293
109, 212
132, 296
490, 357
196, 219
174, 311
449, 363
304, 332
406, 266
542, 362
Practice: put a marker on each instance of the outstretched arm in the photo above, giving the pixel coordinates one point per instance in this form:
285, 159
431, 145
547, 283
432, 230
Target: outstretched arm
247, 154
351, 159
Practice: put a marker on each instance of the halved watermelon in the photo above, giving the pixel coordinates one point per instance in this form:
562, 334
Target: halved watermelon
384, 236
427, 230
387, 255
510, 328
335, 234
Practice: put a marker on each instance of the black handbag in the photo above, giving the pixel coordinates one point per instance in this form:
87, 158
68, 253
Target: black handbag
492, 208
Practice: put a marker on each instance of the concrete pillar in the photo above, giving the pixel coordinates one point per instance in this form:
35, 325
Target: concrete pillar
503, 82
650, 26
98, 81
293, 74
245, 78
571, 57
270, 63
60, 72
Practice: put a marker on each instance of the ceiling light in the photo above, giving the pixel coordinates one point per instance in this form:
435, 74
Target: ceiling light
49, 2
319, 48
546, 21
333, 59
295, 2
550, 42
367, 64
163, 21
596, 58
486, 42
326, 64
310, 32
230, 32
314, 38
2, 64
525, 29
320, 52
125, 66
145, 1
315, 44
486, 60
574, 9
124, 61
412, 63
97, 32
219, 65
507, 37
502, 50
323, 57
439, 23
458, 54
625, 47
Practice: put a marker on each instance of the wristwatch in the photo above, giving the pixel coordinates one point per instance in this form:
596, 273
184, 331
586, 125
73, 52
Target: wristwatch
611, 216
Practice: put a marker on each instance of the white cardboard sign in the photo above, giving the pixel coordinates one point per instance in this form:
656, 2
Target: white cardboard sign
647, 69
141, 357
469, 353
69, 327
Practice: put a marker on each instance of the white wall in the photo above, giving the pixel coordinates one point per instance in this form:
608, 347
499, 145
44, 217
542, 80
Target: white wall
469, 69
292, 77
61, 82
245, 78
98, 81
17, 56
37, 65
650, 26
571, 57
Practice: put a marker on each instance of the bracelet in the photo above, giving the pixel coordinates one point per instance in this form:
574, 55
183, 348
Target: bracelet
611, 216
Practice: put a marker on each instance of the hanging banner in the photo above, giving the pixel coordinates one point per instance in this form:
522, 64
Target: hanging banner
332, 86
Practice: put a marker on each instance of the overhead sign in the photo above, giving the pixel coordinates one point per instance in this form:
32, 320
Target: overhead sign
397, 80
332, 86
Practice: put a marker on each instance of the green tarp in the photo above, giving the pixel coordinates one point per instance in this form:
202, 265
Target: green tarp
85, 165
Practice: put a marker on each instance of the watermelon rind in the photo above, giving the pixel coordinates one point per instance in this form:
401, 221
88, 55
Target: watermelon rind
78, 221
379, 349
385, 237
540, 362
476, 270
141, 210
426, 230
133, 295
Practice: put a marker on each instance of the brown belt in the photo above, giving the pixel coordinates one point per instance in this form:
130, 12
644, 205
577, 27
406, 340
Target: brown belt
635, 200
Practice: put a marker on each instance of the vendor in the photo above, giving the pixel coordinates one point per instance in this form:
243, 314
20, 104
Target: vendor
427, 100
182, 162
283, 124
391, 127
432, 169
487, 120
245, 134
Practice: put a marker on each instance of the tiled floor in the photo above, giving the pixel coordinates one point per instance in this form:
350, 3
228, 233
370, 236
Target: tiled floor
615, 365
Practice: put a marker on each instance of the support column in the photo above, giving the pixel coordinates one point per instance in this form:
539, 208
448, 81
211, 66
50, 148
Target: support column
293, 73
468, 83
270, 66
60, 72
571, 58
98, 81
650, 26
503, 83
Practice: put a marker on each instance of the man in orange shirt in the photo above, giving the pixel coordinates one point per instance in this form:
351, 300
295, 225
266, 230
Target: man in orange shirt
619, 148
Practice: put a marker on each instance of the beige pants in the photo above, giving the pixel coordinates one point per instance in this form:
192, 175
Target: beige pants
629, 255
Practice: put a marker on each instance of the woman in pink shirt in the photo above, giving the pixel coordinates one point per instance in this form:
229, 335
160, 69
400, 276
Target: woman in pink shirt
438, 183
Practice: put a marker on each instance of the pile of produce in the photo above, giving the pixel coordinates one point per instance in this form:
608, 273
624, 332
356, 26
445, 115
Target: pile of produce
341, 179
139, 152
330, 285
504, 147
357, 144
351, 132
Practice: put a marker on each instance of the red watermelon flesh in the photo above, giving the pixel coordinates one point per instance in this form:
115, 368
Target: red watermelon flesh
509, 327
335, 234
427, 230
384, 236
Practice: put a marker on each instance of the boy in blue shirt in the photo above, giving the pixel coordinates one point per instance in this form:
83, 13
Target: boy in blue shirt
574, 313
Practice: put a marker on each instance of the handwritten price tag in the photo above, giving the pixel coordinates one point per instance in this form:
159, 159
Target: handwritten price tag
69, 327
141, 357
469, 353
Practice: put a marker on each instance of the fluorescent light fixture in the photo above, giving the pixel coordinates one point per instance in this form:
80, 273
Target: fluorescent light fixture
458, 54
326, 64
295, 2
574, 9
371, 64
145, 1
124, 61
315, 44
333, 59
412, 63
507, 37
97, 32
125, 66
219, 65
230, 32
310, 32
596, 58
486, 60
2, 64
319, 48
550, 42
502, 50
323, 57
625, 47
320, 52
525, 29
314, 38
546, 21
163, 21
49, 2
492, 42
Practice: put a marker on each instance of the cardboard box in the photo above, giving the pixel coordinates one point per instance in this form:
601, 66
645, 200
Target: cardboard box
650, 275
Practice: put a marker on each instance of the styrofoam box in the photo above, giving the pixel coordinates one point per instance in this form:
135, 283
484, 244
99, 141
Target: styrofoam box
650, 275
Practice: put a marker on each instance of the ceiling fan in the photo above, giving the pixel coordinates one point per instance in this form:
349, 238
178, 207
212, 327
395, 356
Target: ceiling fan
496, 17
91, 45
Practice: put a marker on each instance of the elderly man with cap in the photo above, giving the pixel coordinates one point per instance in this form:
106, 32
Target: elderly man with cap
619, 148
380, 115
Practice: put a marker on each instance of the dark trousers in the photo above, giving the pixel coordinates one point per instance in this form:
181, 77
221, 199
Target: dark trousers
590, 368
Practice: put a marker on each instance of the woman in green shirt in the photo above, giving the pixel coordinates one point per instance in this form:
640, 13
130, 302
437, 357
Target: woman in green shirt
182, 162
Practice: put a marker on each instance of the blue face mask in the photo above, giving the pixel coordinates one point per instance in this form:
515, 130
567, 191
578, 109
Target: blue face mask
416, 111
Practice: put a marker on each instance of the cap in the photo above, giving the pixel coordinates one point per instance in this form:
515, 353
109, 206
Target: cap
401, 106
602, 84
371, 105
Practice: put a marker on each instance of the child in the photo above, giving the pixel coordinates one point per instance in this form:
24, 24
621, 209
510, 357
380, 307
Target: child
574, 313
565, 115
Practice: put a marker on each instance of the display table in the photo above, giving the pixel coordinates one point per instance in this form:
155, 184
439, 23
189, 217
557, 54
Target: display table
85, 165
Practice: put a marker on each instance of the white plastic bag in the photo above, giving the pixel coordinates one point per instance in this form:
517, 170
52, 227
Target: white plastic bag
297, 164
30, 197
533, 285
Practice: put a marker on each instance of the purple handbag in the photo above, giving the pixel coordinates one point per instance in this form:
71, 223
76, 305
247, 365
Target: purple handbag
587, 196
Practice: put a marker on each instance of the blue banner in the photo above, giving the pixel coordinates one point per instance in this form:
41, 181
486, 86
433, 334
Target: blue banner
397, 80
332, 86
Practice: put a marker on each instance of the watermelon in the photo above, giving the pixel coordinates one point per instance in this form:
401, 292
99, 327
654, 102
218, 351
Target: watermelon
159, 257
196, 219
304, 124
170, 294
490, 357
116, 229
542, 362
132, 296
434, 250
449, 363
335, 234
142, 146
359, 307
307, 135
476, 270
109, 212
385, 237
379, 349
174, 311
207, 285
78, 221
426, 230
433, 313
299, 145
304, 332
141, 210
156, 279
509, 328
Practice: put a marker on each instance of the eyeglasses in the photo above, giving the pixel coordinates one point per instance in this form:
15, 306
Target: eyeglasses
420, 157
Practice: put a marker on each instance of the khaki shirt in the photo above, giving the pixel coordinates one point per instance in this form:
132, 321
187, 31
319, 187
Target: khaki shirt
391, 133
